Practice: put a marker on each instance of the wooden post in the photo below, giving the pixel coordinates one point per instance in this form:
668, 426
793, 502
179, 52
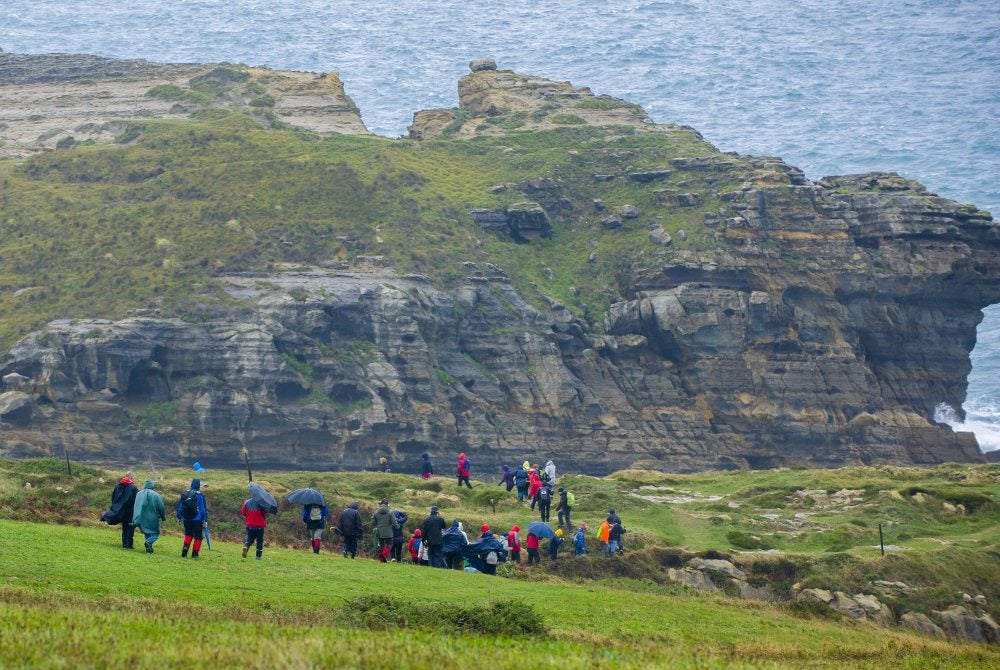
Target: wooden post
493, 502
881, 542
246, 459
69, 468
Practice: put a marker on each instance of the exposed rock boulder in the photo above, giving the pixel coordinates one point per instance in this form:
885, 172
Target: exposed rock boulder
959, 624
16, 408
921, 624
695, 579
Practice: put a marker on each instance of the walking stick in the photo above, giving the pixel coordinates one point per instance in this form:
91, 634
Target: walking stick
246, 459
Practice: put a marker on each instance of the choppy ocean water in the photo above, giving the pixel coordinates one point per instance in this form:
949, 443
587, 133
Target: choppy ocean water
840, 87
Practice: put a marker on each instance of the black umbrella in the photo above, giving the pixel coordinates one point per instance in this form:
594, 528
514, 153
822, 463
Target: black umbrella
540, 529
306, 497
264, 499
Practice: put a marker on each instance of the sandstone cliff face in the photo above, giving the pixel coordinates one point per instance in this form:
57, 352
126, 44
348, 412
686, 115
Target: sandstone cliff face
823, 329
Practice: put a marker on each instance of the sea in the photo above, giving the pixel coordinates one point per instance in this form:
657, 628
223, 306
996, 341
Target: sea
911, 86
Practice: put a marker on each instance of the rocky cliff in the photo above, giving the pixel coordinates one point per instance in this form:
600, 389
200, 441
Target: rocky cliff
747, 316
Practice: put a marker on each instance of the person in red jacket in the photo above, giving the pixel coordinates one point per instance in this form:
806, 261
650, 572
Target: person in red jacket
514, 544
532, 544
464, 470
256, 523
414, 547
534, 486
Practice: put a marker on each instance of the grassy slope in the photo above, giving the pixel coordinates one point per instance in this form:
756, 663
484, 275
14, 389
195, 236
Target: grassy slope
286, 610
95, 231
71, 597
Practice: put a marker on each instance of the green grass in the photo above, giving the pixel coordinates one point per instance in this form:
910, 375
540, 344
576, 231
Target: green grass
65, 594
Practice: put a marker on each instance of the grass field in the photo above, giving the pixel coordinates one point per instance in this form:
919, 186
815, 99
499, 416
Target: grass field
71, 597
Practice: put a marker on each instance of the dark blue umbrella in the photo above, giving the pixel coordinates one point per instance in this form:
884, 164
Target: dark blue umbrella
540, 529
264, 500
306, 497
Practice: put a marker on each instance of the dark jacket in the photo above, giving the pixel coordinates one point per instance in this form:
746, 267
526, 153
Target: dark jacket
122, 503
426, 466
401, 519
563, 503
432, 529
508, 478
453, 539
478, 550
613, 519
520, 478
384, 523
616, 532
554, 544
349, 523
202, 508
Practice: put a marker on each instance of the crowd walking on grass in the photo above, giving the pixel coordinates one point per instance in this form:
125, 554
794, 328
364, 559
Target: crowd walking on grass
434, 542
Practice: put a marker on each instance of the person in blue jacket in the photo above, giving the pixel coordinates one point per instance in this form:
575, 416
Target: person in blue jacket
192, 511
521, 482
314, 517
508, 478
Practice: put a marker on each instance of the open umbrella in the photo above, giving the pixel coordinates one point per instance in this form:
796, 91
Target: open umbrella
264, 499
306, 497
540, 529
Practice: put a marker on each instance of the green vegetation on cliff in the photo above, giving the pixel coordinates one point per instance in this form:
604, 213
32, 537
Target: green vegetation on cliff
97, 231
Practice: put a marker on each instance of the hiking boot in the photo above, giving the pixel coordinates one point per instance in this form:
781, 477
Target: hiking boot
259, 556
184, 552
245, 551
149, 548
194, 554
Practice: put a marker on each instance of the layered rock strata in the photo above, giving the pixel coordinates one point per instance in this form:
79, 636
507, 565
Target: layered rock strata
823, 328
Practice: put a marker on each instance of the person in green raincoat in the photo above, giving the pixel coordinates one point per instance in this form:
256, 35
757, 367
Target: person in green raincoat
149, 511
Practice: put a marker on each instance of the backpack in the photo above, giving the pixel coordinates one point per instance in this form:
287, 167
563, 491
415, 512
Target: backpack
492, 558
189, 505
570, 498
543, 494
315, 513
416, 545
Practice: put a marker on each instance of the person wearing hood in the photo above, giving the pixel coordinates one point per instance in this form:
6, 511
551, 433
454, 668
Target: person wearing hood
580, 541
550, 472
532, 545
122, 508
432, 530
508, 478
414, 547
554, 545
256, 519
192, 510
514, 544
534, 485
427, 469
464, 470
521, 482
148, 512
615, 531
397, 535
453, 541
383, 525
349, 525
489, 555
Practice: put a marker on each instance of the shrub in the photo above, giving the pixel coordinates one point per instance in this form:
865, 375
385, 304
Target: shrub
567, 119
498, 617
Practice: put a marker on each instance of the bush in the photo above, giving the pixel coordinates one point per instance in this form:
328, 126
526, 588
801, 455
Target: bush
498, 617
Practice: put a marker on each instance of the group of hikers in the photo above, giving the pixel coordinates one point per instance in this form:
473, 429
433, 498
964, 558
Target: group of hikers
434, 543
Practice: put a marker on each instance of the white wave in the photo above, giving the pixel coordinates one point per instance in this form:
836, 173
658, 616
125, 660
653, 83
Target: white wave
987, 432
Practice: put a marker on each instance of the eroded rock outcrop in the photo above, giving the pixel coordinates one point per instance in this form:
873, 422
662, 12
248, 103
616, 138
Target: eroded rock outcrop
50, 100
818, 323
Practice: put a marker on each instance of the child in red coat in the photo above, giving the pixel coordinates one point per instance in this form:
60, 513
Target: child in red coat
414, 547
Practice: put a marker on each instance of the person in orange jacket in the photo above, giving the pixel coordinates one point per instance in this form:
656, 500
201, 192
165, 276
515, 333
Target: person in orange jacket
603, 533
